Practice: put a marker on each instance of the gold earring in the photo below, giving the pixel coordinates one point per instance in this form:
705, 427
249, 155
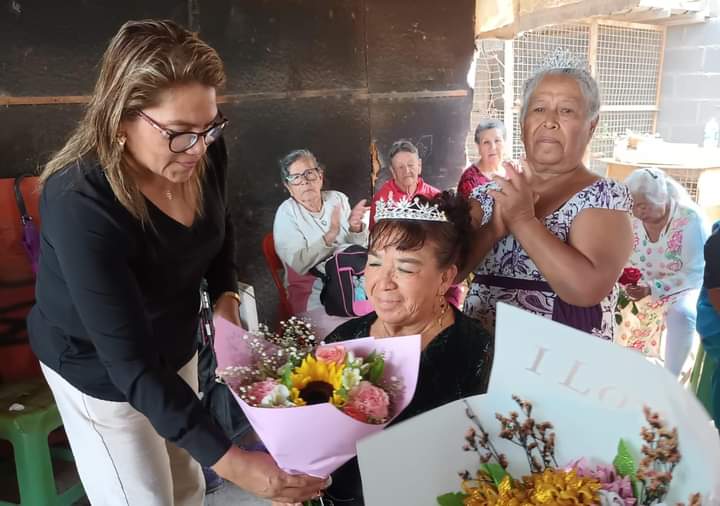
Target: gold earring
443, 309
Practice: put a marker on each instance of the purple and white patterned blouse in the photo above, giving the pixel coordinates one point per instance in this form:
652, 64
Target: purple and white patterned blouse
508, 274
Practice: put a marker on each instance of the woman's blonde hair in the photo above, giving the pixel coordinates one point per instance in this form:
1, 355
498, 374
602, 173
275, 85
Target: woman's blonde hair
142, 60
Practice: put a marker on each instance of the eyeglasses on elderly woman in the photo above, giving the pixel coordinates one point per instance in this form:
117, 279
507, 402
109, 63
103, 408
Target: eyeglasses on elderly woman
309, 175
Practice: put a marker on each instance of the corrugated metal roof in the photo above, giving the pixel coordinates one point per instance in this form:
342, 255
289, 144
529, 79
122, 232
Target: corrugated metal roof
503, 19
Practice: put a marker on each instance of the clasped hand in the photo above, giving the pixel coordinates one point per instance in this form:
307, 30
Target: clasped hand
515, 199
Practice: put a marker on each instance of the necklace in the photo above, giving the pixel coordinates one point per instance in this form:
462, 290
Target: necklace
428, 326
168, 194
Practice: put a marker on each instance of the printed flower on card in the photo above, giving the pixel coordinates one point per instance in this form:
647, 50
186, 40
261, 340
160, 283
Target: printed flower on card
625, 482
610, 480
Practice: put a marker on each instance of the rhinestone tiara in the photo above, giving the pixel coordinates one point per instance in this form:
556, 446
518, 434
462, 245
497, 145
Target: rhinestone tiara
406, 209
562, 58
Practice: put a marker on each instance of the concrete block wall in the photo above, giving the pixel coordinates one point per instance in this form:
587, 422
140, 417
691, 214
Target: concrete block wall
690, 82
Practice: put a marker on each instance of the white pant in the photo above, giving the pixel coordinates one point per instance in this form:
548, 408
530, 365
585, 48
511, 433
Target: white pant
120, 457
680, 320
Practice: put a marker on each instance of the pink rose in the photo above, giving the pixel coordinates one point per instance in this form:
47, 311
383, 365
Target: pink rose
260, 389
331, 353
368, 403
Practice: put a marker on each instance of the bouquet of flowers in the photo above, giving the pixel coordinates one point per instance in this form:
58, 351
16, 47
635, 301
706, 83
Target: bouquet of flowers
623, 483
308, 402
562, 448
630, 277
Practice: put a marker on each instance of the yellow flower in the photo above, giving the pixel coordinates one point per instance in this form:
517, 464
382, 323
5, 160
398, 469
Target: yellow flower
507, 493
558, 487
315, 382
551, 487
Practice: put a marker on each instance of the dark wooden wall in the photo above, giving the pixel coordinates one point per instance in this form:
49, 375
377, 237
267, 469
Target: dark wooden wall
336, 77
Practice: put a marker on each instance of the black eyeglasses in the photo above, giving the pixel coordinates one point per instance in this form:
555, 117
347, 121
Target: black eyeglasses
179, 142
308, 175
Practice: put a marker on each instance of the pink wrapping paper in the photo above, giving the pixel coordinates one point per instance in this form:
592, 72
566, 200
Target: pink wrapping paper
318, 439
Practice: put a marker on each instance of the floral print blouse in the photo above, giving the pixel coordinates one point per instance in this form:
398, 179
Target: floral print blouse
674, 262
508, 259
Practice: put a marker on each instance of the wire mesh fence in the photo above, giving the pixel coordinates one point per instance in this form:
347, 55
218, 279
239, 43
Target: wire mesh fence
626, 60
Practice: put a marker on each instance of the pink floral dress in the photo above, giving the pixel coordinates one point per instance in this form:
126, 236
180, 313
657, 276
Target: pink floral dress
670, 267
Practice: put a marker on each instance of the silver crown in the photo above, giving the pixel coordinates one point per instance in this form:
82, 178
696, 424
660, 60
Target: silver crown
406, 209
562, 58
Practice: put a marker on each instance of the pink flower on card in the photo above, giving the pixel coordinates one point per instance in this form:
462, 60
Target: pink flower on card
331, 353
366, 402
608, 477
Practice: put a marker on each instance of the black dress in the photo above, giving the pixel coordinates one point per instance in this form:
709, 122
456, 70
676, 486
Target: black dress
454, 365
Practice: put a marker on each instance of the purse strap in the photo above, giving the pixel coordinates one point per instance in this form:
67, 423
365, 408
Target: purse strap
24, 215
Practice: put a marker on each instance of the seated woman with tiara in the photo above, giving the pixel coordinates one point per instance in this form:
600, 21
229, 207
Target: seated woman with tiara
415, 249
555, 236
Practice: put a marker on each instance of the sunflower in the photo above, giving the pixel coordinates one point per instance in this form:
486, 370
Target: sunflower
316, 381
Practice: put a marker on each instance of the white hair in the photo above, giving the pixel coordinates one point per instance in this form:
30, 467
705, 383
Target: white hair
563, 62
657, 187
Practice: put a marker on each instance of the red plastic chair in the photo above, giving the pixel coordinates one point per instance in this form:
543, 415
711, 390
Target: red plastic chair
17, 282
275, 266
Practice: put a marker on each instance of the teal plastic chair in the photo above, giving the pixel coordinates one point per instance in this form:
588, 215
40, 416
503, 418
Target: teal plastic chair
701, 378
28, 430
